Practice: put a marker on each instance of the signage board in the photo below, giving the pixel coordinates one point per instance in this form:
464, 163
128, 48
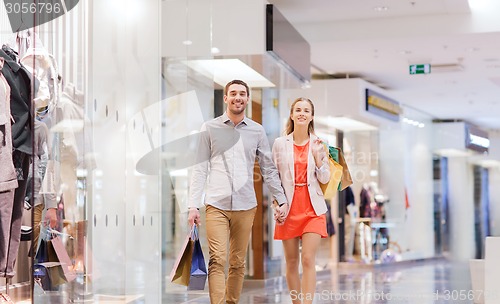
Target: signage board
420, 69
382, 106
476, 139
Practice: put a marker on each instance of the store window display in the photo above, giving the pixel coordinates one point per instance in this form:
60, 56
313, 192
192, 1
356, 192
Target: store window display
8, 178
45, 206
351, 216
33, 176
43, 67
372, 228
18, 93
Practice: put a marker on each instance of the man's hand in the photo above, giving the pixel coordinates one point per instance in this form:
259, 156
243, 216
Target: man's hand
194, 216
51, 217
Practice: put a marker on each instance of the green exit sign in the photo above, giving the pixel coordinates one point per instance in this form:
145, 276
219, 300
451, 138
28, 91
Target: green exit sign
420, 69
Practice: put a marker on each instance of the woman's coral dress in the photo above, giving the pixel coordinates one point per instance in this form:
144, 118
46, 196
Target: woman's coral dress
301, 218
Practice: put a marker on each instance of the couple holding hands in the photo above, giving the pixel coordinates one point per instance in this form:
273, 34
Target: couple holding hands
228, 147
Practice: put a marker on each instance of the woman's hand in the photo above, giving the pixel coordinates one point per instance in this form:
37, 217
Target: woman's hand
318, 151
280, 213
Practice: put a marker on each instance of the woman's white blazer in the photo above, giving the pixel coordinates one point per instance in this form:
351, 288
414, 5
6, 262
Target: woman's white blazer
283, 157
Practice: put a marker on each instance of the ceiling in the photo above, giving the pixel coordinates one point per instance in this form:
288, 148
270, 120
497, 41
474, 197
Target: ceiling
377, 40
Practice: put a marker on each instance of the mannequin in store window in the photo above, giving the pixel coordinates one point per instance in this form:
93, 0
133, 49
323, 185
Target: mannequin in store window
351, 215
21, 85
8, 178
45, 213
302, 164
365, 202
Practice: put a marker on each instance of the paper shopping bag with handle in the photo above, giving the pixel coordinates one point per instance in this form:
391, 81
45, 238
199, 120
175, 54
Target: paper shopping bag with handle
330, 189
63, 258
340, 177
198, 275
181, 272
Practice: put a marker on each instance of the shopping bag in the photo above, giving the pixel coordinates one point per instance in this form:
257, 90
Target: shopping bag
48, 275
181, 272
198, 275
346, 180
340, 177
5, 298
330, 227
62, 257
45, 251
331, 187
52, 265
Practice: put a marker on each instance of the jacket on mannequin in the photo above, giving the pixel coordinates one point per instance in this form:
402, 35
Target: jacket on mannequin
12, 202
8, 180
19, 80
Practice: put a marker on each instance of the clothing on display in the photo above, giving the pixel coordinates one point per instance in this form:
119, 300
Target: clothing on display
44, 68
20, 119
28, 77
19, 80
351, 215
365, 202
8, 180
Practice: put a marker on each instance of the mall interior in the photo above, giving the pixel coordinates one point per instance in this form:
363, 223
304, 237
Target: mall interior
106, 98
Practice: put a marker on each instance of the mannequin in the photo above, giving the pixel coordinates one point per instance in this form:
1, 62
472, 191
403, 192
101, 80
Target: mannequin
351, 215
19, 81
8, 178
365, 202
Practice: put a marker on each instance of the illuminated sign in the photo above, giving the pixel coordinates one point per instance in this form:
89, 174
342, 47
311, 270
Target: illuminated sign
382, 106
420, 69
476, 139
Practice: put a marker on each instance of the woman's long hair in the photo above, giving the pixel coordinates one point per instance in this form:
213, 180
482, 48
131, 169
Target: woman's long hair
289, 124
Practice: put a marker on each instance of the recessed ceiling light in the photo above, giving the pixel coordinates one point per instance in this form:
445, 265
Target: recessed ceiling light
224, 70
187, 42
381, 8
215, 50
343, 123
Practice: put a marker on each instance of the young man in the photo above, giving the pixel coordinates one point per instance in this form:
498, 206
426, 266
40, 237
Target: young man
230, 143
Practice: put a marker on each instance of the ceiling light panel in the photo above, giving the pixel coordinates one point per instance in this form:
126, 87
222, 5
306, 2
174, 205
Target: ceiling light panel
224, 70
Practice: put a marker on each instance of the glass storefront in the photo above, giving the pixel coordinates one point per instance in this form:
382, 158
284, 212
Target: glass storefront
98, 71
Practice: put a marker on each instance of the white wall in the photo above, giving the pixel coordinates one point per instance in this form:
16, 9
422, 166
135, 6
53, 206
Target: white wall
406, 163
461, 208
210, 24
124, 78
494, 180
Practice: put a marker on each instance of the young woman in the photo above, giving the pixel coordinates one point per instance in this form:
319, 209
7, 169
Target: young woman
302, 163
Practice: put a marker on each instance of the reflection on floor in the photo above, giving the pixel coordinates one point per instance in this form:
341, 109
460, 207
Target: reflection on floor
422, 282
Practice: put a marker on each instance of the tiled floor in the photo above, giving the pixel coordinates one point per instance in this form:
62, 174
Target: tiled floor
434, 281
